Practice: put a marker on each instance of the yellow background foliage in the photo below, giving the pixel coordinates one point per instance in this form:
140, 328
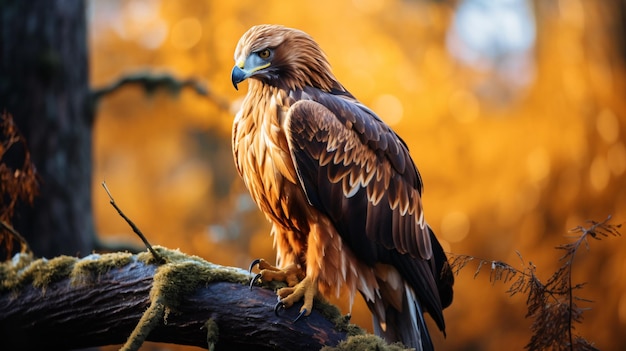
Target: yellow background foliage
511, 158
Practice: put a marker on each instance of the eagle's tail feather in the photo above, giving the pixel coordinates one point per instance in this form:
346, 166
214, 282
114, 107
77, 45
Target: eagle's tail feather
407, 326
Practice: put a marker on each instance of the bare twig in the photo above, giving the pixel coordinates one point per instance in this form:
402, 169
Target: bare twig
10, 229
156, 256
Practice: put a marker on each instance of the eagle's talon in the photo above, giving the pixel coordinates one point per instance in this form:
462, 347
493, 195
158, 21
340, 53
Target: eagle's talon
278, 306
254, 263
302, 313
256, 277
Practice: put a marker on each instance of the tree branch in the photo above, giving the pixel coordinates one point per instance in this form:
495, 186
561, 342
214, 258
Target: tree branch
153, 81
67, 303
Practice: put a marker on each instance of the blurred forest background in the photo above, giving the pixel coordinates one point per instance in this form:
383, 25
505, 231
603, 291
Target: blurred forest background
514, 112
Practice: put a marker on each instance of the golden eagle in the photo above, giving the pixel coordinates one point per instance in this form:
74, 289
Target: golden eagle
338, 186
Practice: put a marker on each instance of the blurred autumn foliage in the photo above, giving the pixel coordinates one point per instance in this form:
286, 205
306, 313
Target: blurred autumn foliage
514, 112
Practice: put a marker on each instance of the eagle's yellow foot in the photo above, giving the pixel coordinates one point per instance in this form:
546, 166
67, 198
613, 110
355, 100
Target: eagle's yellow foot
305, 289
298, 285
291, 275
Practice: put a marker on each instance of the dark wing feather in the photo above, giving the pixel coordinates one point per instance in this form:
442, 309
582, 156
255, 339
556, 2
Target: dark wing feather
358, 172
339, 144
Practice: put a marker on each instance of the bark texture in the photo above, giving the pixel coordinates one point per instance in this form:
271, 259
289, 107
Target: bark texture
66, 303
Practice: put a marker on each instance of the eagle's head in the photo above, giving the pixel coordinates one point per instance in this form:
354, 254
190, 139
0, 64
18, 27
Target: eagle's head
283, 57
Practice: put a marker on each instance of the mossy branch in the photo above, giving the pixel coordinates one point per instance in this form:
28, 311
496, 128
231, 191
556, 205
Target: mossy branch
67, 303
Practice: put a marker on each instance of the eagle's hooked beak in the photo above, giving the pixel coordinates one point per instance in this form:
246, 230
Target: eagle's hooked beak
238, 75
246, 69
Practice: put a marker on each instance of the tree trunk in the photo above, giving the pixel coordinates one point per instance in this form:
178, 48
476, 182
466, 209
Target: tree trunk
44, 85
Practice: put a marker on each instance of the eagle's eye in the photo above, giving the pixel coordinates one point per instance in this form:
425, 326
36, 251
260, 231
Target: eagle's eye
264, 54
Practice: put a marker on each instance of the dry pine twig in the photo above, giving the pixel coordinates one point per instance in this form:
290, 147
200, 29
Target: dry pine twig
18, 182
552, 305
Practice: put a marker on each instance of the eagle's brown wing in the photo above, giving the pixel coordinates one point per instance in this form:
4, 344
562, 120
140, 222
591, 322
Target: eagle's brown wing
358, 172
